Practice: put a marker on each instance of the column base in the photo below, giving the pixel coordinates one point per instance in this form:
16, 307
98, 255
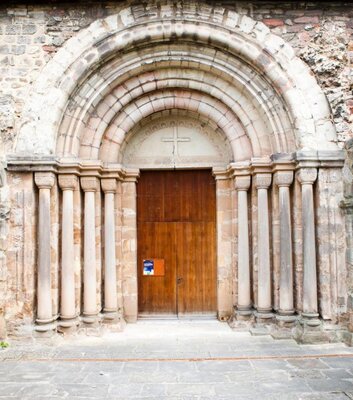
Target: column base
286, 320
243, 319
263, 320
284, 327
264, 316
243, 313
90, 325
347, 338
68, 325
44, 328
310, 330
113, 321
90, 319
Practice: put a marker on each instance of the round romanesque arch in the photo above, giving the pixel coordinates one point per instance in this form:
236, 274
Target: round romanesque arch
250, 75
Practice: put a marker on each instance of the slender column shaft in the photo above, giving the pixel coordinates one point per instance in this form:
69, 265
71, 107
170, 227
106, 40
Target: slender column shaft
264, 301
242, 184
89, 185
286, 305
68, 308
110, 279
307, 177
45, 182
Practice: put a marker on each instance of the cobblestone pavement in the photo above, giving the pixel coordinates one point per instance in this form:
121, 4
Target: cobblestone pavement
176, 360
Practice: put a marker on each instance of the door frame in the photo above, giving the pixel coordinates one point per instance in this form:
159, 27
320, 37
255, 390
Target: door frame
224, 244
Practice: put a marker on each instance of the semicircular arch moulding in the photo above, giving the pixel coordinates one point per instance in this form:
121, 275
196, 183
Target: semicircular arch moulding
83, 58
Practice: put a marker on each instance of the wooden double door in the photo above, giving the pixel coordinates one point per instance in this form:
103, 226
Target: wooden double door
176, 225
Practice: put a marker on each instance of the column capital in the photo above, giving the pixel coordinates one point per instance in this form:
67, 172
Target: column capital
262, 180
68, 182
44, 180
89, 183
108, 185
307, 176
283, 178
242, 182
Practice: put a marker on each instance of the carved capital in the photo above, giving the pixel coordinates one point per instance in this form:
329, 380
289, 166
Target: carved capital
108, 185
44, 180
263, 180
242, 182
68, 182
89, 184
307, 176
283, 178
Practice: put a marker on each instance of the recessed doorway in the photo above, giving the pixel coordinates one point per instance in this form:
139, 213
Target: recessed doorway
176, 233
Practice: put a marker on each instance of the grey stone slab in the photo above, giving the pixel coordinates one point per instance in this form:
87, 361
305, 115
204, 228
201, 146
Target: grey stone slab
329, 385
9, 389
338, 373
101, 366
308, 363
307, 373
125, 390
37, 376
177, 366
336, 395
92, 390
139, 366
202, 377
226, 365
35, 389
153, 377
238, 388
339, 362
191, 389
270, 364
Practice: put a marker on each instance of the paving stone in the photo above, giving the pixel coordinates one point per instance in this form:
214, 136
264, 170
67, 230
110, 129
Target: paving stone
257, 368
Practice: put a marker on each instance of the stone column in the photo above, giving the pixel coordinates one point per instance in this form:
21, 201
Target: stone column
68, 317
90, 313
110, 279
264, 300
283, 179
307, 177
45, 181
242, 184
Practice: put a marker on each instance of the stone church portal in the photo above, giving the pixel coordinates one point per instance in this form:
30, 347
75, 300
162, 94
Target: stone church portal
176, 158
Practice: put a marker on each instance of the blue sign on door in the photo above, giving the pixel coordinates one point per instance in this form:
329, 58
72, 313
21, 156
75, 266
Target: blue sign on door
148, 267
